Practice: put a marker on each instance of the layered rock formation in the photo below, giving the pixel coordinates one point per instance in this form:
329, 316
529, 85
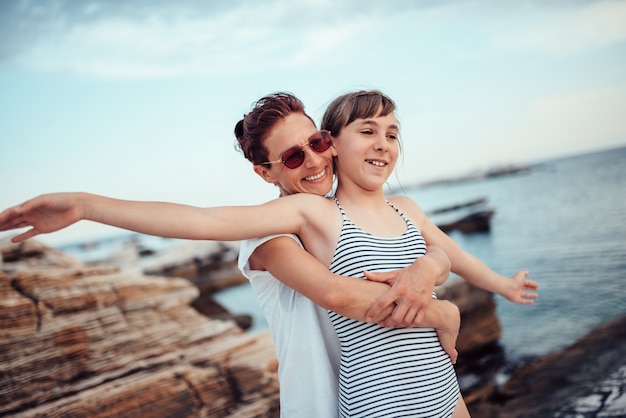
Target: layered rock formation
79, 341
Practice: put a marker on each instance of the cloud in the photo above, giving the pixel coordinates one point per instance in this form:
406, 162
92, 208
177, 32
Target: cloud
565, 29
159, 38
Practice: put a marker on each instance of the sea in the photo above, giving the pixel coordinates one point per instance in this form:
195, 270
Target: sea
563, 220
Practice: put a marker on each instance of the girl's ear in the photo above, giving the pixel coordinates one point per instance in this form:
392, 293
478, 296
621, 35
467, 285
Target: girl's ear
265, 173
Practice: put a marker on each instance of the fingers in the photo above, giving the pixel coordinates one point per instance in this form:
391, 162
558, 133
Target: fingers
402, 317
380, 305
530, 284
11, 219
454, 355
382, 277
24, 236
398, 315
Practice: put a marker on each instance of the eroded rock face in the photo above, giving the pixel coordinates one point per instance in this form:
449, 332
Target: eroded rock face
587, 379
79, 341
106, 341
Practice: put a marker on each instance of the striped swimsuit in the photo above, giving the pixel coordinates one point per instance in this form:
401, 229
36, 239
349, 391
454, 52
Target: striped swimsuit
388, 372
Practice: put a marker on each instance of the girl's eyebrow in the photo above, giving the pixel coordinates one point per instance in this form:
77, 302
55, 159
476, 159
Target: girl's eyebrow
366, 122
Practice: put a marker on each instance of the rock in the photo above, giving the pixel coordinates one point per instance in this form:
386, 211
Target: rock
90, 341
587, 379
210, 265
206, 305
480, 355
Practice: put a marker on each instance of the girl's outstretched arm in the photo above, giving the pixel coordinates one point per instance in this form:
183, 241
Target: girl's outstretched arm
517, 289
53, 212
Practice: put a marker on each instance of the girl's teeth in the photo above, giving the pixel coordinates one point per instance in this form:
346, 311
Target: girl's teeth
377, 163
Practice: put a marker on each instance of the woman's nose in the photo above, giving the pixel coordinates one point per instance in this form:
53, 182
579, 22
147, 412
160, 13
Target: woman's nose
311, 158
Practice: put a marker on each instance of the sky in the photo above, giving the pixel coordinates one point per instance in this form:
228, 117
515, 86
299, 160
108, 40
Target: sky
138, 99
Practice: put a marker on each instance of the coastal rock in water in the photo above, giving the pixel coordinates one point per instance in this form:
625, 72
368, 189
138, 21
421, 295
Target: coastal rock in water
94, 341
587, 379
210, 265
480, 355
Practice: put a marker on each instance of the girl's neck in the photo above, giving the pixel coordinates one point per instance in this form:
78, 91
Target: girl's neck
359, 196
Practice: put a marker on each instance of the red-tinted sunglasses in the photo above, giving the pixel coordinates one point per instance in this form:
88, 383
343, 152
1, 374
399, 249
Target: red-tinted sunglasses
294, 156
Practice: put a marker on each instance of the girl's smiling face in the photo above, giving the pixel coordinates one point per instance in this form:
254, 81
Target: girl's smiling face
367, 151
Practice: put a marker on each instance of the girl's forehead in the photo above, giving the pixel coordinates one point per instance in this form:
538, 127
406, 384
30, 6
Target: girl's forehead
388, 121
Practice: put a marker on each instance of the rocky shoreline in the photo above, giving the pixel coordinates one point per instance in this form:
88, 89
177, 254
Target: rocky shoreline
108, 340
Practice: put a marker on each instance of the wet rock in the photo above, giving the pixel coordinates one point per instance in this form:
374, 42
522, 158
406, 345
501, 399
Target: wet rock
587, 379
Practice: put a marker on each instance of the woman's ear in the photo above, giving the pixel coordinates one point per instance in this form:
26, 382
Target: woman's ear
333, 150
265, 173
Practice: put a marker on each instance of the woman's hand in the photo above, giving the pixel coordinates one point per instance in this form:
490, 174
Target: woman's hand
43, 214
408, 295
411, 289
449, 334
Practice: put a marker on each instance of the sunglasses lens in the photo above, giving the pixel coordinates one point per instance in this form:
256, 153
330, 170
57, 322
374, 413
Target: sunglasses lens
293, 157
320, 142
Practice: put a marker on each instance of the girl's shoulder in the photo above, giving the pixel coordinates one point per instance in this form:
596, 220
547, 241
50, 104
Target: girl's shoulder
403, 201
409, 207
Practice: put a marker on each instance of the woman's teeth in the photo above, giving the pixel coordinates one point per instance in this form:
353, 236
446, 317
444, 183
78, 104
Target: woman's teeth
316, 177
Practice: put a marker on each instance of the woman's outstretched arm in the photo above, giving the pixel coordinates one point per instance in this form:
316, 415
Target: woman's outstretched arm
53, 212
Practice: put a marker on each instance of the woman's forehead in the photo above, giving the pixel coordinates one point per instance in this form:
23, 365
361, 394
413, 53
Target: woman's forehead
294, 129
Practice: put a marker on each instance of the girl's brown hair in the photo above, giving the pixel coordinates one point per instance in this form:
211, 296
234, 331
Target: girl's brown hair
362, 104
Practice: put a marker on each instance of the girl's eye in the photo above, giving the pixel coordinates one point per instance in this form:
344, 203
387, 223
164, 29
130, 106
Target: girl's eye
393, 137
367, 132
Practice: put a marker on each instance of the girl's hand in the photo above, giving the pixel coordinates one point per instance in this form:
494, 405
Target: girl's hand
521, 289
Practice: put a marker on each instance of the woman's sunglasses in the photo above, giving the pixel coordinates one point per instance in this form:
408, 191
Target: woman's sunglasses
294, 156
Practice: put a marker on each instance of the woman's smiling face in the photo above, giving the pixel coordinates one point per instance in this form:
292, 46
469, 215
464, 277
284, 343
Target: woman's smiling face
315, 175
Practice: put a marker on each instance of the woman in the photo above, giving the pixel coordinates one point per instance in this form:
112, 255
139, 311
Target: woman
366, 149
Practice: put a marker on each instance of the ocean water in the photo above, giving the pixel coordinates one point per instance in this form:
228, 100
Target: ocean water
565, 222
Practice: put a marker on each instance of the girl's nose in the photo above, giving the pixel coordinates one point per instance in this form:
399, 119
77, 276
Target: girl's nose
380, 143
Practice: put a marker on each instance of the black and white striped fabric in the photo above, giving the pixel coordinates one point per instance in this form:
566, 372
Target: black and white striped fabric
388, 372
